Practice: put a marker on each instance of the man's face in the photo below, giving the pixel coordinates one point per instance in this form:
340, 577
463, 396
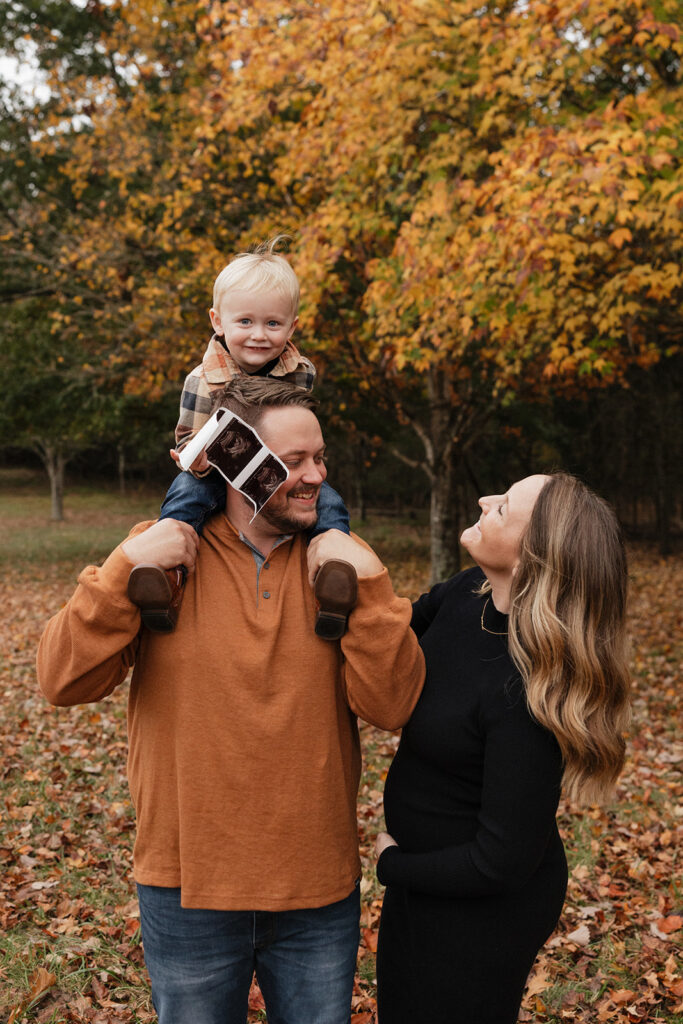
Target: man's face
294, 435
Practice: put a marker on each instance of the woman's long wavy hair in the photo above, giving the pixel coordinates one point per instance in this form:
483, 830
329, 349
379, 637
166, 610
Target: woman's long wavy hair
567, 632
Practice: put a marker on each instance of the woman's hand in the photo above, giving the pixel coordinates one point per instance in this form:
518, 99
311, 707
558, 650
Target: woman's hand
383, 842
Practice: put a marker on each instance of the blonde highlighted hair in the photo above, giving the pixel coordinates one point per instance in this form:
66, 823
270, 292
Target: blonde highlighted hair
263, 269
567, 632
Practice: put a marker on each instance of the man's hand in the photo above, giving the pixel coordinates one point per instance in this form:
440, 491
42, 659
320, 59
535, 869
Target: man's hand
168, 543
383, 842
335, 544
198, 466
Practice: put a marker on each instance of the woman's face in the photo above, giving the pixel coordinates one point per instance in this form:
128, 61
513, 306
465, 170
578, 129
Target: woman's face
493, 541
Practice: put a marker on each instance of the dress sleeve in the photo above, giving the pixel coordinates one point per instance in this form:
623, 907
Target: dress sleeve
88, 647
426, 608
520, 793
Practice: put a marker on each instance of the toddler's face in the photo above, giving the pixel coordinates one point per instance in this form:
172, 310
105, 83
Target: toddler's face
256, 327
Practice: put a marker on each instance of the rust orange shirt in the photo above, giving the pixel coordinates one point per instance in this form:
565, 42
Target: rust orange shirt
244, 757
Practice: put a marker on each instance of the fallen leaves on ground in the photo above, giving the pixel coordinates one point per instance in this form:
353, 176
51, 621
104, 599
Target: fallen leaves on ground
71, 944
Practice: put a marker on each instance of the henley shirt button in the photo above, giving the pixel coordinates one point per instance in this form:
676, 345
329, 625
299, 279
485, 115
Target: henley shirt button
266, 593
266, 565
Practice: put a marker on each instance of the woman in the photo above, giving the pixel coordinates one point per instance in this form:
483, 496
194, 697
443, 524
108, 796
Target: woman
527, 689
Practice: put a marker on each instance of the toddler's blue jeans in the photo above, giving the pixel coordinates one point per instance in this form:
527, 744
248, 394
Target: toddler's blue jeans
193, 499
201, 962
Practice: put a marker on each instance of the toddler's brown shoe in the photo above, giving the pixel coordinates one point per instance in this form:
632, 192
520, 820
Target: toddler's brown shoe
336, 591
158, 593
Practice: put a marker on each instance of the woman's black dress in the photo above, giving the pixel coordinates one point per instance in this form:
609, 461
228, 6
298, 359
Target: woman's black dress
477, 882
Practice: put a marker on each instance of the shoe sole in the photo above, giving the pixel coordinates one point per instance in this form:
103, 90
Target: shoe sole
149, 588
336, 587
336, 591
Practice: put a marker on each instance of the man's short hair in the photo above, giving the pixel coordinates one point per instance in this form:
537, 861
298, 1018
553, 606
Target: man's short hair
262, 270
249, 397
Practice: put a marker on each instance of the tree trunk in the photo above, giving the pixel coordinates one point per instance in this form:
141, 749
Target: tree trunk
121, 452
445, 550
359, 481
54, 461
448, 422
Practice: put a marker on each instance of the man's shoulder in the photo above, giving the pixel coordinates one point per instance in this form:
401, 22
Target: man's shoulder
360, 540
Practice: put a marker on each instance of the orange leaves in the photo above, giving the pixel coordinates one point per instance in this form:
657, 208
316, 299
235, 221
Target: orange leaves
629, 971
459, 183
256, 1002
82, 922
619, 236
40, 983
667, 925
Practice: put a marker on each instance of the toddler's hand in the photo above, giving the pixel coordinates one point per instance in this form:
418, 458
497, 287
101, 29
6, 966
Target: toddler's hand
198, 466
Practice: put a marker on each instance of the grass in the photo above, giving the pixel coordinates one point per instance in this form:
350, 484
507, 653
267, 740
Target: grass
95, 520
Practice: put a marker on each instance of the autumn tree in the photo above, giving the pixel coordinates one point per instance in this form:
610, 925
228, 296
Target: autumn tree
107, 258
485, 199
103, 212
489, 196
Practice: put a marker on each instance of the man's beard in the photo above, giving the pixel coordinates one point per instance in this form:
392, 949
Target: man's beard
285, 521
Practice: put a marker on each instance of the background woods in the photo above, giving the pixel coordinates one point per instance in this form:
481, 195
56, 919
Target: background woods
484, 203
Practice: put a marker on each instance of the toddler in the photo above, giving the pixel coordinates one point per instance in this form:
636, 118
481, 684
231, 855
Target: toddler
254, 314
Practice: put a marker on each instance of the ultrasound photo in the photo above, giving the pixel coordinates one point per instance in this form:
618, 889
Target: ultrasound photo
239, 454
234, 448
264, 481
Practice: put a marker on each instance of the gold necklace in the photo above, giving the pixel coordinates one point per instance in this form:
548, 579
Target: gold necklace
491, 631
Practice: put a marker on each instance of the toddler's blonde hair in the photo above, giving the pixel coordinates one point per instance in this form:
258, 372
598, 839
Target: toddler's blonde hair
263, 269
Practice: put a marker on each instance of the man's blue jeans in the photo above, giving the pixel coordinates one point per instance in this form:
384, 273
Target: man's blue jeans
201, 962
193, 499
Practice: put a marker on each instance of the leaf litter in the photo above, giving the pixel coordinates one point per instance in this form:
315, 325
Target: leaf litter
70, 948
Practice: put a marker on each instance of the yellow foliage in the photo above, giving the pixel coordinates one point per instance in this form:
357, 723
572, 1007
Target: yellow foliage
456, 193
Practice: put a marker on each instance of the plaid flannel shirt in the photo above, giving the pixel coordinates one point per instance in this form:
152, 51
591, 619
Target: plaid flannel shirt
215, 370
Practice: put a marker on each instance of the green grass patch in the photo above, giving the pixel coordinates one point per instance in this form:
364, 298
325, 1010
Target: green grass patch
95, 520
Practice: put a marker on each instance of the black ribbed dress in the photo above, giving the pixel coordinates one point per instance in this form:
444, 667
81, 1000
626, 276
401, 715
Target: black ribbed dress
477, 882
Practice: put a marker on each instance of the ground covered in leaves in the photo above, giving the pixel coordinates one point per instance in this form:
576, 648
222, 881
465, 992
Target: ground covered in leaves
69, 930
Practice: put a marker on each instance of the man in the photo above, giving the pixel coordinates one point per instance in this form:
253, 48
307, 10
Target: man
244, 753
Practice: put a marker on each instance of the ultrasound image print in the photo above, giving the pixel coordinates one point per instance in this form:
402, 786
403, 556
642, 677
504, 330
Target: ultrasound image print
264, 481
233, 449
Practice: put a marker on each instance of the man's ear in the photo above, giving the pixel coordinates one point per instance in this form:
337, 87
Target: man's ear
216, 321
